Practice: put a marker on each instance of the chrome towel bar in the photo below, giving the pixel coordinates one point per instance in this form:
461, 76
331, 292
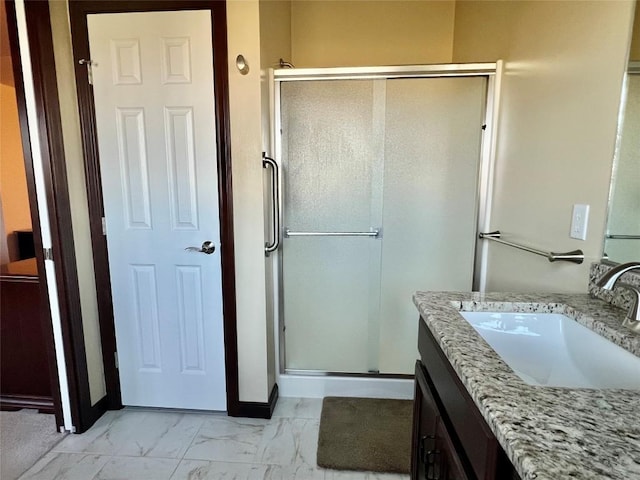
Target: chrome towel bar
622, 237
575, 256
373, 233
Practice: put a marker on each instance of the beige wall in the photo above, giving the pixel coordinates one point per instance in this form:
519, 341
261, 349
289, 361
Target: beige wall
77, 196
275, 32
275, 43
326, 33
563, 74
13, 181
483, 30
634, 54
243, 24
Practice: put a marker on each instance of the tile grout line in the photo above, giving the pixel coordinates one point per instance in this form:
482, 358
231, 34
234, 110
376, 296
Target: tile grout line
195, 435
110, 457
173, 472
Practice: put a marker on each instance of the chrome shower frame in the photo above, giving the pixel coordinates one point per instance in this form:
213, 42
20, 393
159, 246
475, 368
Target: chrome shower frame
493, 73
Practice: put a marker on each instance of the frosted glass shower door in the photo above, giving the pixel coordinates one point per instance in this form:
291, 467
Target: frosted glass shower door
401, 156
332, 168
433, 133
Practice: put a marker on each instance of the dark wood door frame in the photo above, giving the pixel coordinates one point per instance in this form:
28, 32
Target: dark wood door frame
59, 213
79, 9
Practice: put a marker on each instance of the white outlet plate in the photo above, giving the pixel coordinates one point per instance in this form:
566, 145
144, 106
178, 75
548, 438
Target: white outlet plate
579, 221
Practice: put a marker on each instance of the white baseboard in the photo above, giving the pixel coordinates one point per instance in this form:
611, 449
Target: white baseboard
319, 386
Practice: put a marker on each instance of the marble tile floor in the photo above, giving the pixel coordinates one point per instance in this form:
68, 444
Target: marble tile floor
138, 444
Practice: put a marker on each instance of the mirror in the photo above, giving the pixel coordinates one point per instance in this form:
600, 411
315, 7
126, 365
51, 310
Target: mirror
622, 237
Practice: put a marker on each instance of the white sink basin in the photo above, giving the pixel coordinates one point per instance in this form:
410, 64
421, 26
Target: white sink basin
552, 350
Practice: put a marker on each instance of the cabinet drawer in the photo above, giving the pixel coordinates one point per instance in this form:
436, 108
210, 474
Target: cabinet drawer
469, 428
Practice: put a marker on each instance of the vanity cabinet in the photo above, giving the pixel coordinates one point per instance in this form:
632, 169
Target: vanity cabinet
451, 440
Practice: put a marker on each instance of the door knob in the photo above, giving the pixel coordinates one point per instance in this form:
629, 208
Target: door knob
207, 247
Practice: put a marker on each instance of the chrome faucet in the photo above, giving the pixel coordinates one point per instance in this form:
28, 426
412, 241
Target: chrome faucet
609, 281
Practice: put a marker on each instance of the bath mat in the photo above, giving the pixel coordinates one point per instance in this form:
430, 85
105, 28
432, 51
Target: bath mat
368, 434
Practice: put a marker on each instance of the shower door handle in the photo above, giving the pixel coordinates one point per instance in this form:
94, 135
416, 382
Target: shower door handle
275, 200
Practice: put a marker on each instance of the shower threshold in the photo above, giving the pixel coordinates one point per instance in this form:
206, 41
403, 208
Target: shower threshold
369, 374
319, 384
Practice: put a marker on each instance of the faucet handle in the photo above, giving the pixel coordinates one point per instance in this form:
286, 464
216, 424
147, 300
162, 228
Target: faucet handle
633, 316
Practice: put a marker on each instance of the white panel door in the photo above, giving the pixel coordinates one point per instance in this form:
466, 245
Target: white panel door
153, 89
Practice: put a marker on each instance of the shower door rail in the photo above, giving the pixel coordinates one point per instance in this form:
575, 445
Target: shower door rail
375, 233
385, 72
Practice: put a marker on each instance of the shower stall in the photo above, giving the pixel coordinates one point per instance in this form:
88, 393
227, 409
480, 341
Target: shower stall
384, 181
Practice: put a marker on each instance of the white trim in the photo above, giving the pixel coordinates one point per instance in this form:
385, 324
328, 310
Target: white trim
314, 386
43, 210
403, 71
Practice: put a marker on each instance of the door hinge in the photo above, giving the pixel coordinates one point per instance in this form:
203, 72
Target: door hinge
115, 356
47, 253
89, 64
104, 226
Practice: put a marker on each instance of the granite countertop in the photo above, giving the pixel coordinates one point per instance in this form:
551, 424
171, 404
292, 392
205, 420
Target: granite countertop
547, 432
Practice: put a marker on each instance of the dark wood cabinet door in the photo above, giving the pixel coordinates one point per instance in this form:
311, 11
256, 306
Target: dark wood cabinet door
447, 461
425, 420
434, 454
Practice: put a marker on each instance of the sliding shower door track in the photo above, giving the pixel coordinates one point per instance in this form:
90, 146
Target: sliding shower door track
324, 373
